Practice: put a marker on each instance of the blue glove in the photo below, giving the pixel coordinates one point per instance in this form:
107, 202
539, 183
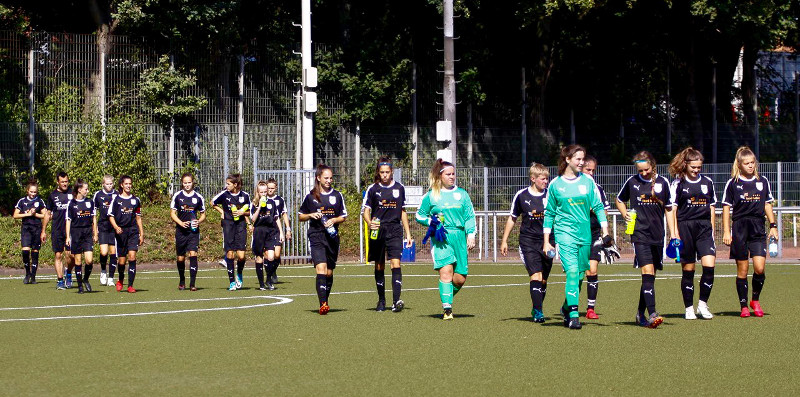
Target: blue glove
441, 234
432, 226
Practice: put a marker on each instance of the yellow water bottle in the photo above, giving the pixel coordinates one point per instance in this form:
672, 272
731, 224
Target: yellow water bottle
234, 209
632, 224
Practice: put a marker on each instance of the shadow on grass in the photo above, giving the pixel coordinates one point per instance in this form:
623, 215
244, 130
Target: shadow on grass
316, 311
438, 316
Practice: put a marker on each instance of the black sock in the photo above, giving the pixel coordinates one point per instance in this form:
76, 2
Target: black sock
131, 272
380, 284
240, 267
103, 262
79, 276
26, 260
321, 295
706, 283
329, 285
34, 262
87, 271
121, 271
591, 291
741, 290
544, 290
397, 284
758, 284
229, 266
642, 305
260, 273
536, 295
649, 292
112, 265
687, 288
192, 270
181, 271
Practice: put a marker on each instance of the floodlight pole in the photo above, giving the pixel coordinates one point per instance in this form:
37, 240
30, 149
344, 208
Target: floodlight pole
449, 89
308, 118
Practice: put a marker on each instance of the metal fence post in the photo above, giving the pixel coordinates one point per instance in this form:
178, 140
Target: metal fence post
780, 213
31, 121
225, 165
486, 208
255, 168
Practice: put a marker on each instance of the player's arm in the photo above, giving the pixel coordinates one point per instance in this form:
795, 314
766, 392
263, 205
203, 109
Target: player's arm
69, 224
713, 219
509, 226
20, 215
549, 219
726, 224
470, 225
773, 227
424, 211
173, 214
406, 227
45, 221
141, 228
112, 220
95, 232
599, 209
287, 229
366, 215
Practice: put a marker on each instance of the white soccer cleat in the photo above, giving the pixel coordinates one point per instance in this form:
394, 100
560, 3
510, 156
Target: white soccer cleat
103, 278
690, 313
702, 310
111, 282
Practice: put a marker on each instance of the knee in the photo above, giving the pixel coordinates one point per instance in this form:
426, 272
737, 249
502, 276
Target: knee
536, 276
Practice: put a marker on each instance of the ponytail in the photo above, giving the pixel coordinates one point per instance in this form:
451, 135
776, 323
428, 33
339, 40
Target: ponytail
741, 154
435, 177
679, 164
317, 189
568, 152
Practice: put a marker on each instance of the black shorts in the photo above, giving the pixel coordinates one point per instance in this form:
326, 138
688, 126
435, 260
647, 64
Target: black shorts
646, 254
81, 240
31, 237
58, 240
389, 243
698, 240
186, 241
594, 252
265, 239
106, 238
748, 238
324, 249
127, 241
234, 235
535, 260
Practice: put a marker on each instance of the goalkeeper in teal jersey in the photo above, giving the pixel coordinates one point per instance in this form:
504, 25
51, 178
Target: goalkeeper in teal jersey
447, 211
570, 198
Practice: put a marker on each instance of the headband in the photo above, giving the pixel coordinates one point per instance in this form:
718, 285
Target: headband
446, 166
641, 161
385, 163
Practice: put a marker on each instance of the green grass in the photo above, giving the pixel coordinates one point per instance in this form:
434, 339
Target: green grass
491, 347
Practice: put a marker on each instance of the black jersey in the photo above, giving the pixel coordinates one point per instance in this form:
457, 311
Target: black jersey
530, 206
80, 213
57, 204
187, 206
693, 199
386, 202
747, 196
125, 210
331, 205
279, 207
268, 213
102, 200
648, 199
26, 203
595, 224
229, 201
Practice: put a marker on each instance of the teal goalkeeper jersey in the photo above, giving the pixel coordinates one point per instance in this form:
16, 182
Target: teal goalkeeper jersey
454, 204
567, 214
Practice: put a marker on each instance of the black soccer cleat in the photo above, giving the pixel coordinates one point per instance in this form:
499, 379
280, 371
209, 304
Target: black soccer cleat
575, 323
381, 306
87, 287
26, 280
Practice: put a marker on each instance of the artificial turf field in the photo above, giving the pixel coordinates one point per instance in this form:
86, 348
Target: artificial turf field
251, 342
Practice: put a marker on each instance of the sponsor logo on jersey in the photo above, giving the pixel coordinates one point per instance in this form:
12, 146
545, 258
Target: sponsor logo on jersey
527, 202
687, 190
740, 187
378, 193
636, 187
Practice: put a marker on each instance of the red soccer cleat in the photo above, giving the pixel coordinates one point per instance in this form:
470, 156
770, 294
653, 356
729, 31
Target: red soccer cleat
131, 289
119, 286
181, 287
590, 314
323, 308
193, 288
757, 308
745, 312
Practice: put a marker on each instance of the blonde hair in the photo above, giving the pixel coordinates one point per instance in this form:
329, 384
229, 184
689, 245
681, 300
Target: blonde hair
435, 177
741, 153
537, 170
678, 165
257, 195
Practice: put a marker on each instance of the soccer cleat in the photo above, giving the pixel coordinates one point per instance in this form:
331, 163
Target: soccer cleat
262, 287
757, 308
565, 315
575, 323
274, 279
398, 306
111, 282
239, 281
702, 310
271, 286
641, 320
193, 288
80, 288
103, 278
232, 287
68, 283
131, 290
324, 308
87, 286
689, 315
119, 286
590, 314
538, 316
181, 287
448, 314
381, 306
32, 280
60, 285
26, 280
745, 312
655, 320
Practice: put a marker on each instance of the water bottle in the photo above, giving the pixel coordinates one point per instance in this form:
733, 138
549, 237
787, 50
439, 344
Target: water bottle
551, 253
193, 221
331, 230
373, 234
262, 202
773, 247
632, 224
233, 209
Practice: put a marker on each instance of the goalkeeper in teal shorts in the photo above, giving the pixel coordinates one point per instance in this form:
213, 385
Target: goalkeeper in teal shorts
447, 211
570, 198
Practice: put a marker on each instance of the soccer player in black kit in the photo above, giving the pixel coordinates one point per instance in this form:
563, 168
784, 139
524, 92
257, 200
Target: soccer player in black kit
649, 195
105, 233
282, 218
125, 215
324, 209
267, 232
748, 197
384, 213
57, 215
694, 199
529, 203
233, 204
31, 209
81, 236
188, 211
589, 167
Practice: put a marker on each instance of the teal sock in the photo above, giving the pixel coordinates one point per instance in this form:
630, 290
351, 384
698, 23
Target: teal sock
446, 293
572, 291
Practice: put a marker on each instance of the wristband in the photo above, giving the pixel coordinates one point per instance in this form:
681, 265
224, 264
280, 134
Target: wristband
773, 225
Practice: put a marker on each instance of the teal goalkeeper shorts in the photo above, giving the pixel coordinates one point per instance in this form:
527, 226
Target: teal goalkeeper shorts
574, 258
454, 250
